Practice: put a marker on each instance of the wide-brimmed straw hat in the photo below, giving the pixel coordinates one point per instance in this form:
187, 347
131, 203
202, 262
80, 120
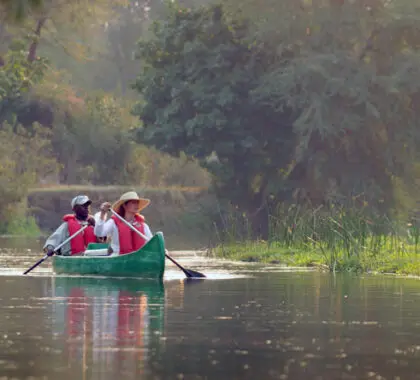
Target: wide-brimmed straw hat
130, 196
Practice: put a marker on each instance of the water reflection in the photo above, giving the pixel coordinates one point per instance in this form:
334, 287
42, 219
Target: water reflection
111, 326
242, 322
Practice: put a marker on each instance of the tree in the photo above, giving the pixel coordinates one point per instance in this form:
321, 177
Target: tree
198, 77
17, 10
91, 141
317, 108
121, 34
25, 158
131, 20
346, 76
72, 26
17, 76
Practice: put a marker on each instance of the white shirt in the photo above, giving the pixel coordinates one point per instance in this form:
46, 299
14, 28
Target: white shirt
104, 228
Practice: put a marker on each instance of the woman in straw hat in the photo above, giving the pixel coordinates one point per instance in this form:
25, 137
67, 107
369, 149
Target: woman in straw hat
123, 238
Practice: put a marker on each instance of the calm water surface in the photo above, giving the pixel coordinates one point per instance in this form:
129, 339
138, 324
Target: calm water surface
243, 322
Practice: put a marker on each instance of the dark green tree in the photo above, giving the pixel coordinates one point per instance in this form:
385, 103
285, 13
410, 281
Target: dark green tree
17, 10
317, 107
197, 87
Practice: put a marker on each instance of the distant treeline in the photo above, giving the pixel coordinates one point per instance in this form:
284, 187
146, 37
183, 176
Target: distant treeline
286, 102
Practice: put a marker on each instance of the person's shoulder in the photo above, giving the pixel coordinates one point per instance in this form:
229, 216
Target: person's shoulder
61, 227
68, 217
141, 217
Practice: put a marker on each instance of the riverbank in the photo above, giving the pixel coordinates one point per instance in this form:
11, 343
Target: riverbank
403, 259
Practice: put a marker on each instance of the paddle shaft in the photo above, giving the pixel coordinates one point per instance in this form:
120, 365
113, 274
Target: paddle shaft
129, 224
187, 272
56, 249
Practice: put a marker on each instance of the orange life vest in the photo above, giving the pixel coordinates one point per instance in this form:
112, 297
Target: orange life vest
130, 241
79, 243
76, 315
132, 312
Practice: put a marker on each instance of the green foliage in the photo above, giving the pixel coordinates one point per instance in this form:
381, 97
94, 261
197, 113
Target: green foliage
340, 67
260, 252
93, 136
196, 88
338, 239
147, 165
25, 158
386, 261
312, 108
70, 33
93, 142
113, 63
349, 109
23, 225
17, 76
86, 137
90, 133
17, 10
120, 37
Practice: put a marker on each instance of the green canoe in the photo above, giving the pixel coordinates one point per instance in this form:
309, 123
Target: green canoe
147, 262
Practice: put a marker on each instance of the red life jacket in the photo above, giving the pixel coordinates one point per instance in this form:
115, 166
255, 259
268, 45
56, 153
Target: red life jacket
130, 241
132, 326
79, 243
77, 316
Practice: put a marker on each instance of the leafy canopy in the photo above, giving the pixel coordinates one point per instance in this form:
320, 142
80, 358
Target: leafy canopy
196, 85
310, 100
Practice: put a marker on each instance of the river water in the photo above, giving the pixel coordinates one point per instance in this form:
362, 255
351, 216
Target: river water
245, 321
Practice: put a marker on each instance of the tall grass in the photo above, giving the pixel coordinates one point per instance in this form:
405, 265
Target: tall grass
343, 237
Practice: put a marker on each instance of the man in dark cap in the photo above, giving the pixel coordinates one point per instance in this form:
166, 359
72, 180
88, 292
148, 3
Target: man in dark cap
71, 224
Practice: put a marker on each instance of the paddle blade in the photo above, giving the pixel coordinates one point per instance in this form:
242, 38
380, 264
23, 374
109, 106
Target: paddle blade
193, 281
193, 274
188, 272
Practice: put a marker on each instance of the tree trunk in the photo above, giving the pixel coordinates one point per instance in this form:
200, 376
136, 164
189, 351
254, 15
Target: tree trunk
259, 212
121, 70
35, 42
260, 224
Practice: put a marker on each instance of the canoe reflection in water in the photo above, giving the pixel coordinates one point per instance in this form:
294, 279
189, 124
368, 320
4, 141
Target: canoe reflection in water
112, 326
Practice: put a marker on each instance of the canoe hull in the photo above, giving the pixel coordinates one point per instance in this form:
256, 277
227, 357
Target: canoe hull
148, 262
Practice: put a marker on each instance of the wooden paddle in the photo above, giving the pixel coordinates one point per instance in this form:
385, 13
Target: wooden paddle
56, 249
188, 272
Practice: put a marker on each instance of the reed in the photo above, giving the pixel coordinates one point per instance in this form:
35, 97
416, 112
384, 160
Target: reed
339, 238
